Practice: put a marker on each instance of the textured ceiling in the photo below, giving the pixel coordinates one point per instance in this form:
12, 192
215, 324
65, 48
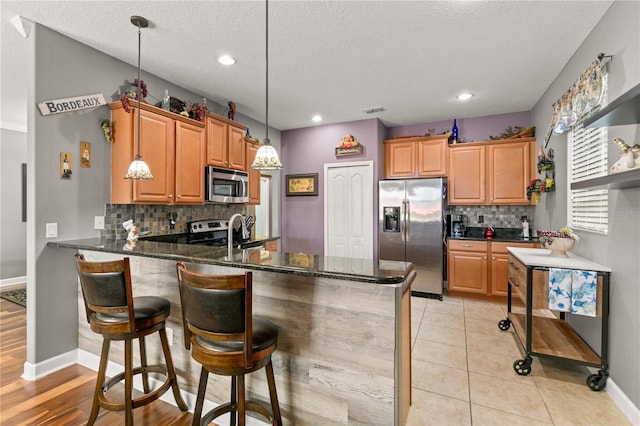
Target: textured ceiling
331, 58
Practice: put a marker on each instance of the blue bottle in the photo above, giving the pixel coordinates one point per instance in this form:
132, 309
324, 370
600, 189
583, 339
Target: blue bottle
454, 132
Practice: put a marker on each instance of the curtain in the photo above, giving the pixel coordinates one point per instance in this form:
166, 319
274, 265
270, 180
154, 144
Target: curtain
579, 100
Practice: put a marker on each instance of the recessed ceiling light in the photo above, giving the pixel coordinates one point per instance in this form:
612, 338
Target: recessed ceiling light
226, 60
316, 118
464, 96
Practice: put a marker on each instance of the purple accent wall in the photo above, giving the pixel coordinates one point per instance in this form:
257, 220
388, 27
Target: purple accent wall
307, 150
469, 129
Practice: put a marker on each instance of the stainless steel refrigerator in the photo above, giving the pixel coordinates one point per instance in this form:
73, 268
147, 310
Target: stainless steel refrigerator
412, 228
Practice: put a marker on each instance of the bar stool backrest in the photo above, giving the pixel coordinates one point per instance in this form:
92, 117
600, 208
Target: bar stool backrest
108, 295
218, 308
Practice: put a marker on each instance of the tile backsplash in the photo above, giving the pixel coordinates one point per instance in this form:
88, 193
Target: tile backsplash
156, 218
496, 216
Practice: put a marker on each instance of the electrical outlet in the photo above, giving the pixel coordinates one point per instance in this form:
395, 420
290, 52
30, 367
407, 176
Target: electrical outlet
480, 218
98, 222
51, 230
170, 335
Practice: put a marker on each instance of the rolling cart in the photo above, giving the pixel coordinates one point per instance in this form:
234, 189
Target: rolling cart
547, 337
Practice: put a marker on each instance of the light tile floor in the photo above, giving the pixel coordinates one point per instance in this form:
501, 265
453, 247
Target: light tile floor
463, 373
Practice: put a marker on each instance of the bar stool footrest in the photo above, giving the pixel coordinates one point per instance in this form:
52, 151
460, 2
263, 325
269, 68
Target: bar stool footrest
142, 400
253, 405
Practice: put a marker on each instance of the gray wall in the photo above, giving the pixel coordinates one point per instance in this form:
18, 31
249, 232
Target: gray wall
13, 244
617, 34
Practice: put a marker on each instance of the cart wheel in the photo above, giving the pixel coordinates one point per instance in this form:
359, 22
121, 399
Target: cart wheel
504, 324
523, 366
597, 382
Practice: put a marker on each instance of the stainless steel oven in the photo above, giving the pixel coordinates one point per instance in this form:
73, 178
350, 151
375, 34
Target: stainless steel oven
226, 186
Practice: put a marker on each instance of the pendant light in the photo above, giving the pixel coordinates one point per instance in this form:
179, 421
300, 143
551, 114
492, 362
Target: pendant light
138, 169
266, 157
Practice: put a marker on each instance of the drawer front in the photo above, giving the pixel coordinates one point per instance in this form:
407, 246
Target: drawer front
518, 277
501, 248
467, 245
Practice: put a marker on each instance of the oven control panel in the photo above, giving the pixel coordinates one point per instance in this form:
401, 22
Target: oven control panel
208, 225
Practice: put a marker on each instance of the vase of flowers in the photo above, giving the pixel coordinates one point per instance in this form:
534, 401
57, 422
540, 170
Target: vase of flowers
559, 242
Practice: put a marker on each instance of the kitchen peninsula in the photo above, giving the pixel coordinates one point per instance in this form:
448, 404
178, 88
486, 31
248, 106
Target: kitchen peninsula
344, 351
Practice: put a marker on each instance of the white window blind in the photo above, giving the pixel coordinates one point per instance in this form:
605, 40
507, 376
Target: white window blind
588, 208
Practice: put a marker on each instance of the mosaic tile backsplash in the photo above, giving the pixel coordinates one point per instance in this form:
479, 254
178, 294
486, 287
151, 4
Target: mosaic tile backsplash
156, 218
496, 216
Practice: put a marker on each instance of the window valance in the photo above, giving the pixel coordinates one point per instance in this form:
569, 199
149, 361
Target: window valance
580, 99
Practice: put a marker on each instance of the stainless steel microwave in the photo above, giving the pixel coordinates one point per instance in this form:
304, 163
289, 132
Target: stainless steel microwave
226, 186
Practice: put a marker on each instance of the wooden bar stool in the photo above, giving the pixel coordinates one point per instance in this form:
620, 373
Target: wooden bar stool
113, 312
226, 339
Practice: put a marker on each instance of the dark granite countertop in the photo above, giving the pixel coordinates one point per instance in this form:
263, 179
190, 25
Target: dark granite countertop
502, 235
363, 270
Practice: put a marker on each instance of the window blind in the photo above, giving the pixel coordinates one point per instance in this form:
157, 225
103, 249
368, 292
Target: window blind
588, 208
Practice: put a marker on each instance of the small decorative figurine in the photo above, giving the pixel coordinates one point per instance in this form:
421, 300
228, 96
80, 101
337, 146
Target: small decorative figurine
132, 231
232, 110
629, 158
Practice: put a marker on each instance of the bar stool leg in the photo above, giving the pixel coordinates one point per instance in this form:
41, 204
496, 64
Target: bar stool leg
102, 369
202, 389
143, 364
234, 400
241, 405
275, 406
171, 372
128, 383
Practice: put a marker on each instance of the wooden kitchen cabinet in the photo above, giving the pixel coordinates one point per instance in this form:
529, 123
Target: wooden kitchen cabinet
491, 173
254, 175
172, 146
416, 157
499, 269
479, 267
467, 266
225, 143
271, 245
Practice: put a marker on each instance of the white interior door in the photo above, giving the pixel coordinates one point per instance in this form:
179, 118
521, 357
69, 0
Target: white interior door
348, 205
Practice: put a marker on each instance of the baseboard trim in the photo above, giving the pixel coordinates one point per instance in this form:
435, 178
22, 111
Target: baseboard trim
631, 412
9, 283
33, 372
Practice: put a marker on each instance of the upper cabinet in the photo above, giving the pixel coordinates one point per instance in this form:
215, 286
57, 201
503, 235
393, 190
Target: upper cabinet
225, 143
491, 173
415, 157
172, 146
254, 175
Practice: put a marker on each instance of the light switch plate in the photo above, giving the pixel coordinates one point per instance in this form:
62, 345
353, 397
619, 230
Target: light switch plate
52, 230
98, 222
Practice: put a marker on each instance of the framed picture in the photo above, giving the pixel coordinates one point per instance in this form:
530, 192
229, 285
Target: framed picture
306, 184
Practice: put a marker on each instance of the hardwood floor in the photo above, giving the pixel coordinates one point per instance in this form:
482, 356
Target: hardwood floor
62, 398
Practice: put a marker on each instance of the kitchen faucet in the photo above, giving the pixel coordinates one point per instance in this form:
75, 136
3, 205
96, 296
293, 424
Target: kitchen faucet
230, 233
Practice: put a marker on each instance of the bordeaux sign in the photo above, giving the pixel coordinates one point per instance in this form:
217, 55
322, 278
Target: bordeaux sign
71, 104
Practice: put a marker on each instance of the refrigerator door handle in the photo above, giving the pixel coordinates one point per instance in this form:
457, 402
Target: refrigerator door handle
403, 222
408, 220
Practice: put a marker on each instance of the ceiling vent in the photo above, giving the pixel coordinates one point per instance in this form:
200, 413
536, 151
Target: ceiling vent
372, 110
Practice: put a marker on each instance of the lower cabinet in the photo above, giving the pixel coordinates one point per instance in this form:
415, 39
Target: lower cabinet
467, 263
271, 245
479, 267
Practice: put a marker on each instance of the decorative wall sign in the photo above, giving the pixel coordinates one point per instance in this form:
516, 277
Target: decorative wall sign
77, 103
85, 154
349, 146
306, 184
65, 165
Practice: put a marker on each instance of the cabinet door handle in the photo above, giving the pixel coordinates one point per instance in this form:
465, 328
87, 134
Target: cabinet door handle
484, 257
491, 198
170, 196
179, 196
493, 258
467, 245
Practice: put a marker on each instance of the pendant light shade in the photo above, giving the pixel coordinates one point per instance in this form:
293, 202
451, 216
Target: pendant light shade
266, 157
138, 169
